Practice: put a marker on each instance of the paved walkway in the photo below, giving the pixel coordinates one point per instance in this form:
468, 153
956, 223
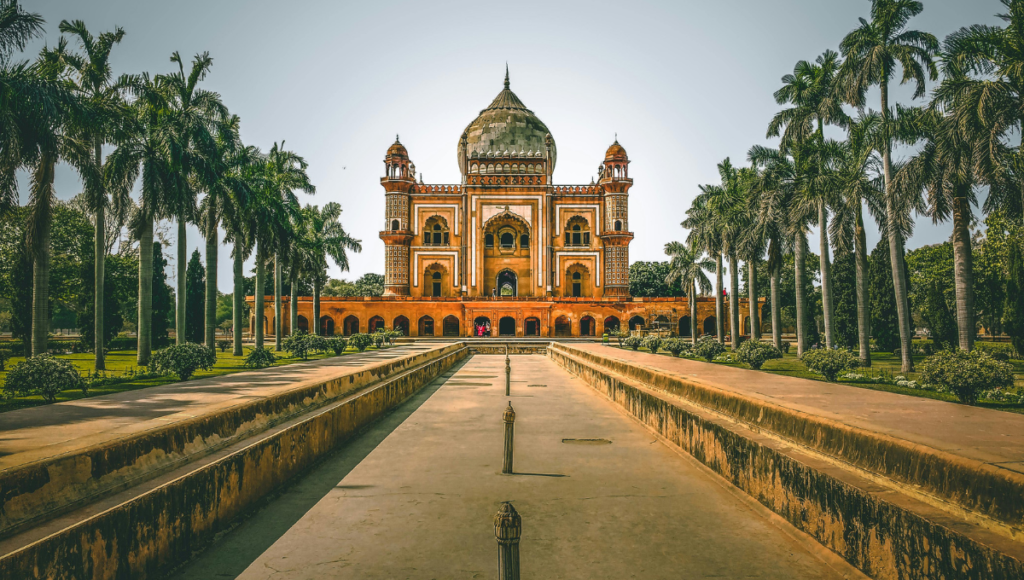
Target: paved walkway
417, 501
987, 435
38, 432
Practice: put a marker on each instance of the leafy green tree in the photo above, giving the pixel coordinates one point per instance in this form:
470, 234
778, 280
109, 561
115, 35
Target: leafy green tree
162, 303
990, 272
885, 316
872, 53
930, 269
648, 280
195, 300
844, 284
370, 285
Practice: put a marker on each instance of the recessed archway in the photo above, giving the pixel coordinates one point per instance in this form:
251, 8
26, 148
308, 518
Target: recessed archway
507, 326
350, 325
684, 327
611, 324
482, 326
563, 326
587, 326
401, 324
507, 283
326, 326
425, 326
376, 323
450, 325
532, 327
710, 325
636, 322
302, 323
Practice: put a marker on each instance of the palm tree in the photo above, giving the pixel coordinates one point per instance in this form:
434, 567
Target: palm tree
246, 178
285, 173
811, 89
872, 53
193, 117
91, 78
325, 238
687, 266
299, 265
142, 149
17, 27
706, 237
857, 180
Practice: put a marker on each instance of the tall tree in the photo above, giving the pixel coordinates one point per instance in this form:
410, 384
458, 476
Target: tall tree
846, 316
872, 53
324, 237
706, 237
193, 116
91, 80
194, 301
247, 175
687, 267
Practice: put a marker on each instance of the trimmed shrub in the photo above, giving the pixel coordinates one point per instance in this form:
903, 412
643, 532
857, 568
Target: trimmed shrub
708, 348
633, 342
260, 358
999, 356
43, 375
379, 337
785, 346
337, 344
755, 353
652, 343
361, 341
223, 345
998, 347
675, 346
318, 343
830, 362
299, 344
620, 336
966, 374
183, 360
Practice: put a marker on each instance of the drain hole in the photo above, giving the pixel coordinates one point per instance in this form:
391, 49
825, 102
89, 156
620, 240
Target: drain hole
587, 441
537, 386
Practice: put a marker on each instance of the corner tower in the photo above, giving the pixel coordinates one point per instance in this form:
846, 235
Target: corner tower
615, 182
398, 182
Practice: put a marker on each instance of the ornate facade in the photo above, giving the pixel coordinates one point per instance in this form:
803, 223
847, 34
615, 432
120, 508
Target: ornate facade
505, 249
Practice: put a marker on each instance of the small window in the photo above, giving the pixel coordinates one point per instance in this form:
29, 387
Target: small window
437, 276
508, 240
618, 225
395, 225
577, 238
524, 241
489, 241
575, 275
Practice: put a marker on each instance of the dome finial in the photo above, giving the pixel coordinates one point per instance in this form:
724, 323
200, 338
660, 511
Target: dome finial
396, 137
506, 74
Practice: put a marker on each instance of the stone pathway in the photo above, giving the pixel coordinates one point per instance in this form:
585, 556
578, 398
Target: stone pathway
600, 497
39, 432
987, 435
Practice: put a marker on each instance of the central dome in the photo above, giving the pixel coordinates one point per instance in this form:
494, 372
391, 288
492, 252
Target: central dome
507, 126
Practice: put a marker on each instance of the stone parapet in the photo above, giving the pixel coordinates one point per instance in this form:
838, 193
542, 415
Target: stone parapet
893, 508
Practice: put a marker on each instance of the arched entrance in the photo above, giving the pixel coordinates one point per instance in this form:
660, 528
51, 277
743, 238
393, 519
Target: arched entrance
507, 283
326, 326
426, 326
507, 326
350, 325
710, 325
450, 325
482, 326
563, 326
376, 323
532, 327
636, 322
611, 324
587, 326
401, 324
684, 326
303, 323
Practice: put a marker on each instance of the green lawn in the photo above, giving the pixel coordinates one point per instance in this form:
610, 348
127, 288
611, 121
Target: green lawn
121, 363
883, 364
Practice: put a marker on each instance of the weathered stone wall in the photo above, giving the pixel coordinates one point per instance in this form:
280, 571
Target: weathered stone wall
884, 533
47, 488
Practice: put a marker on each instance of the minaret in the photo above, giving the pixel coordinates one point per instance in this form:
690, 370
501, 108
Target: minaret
615, 235
398, 181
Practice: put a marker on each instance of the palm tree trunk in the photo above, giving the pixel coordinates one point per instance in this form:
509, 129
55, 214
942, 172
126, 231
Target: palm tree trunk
277, 303
719, 301
99, 276
863, 309
963, 266
899, 279
237, 300
799, 265
259, 303
826, 276
43, 198
734, 301
316, 306
145, 324
211, 276
179, 314
693, 312
776, 309
755, 319
293, 307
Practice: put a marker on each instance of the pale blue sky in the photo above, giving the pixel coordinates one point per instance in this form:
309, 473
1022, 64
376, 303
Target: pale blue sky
684, 84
